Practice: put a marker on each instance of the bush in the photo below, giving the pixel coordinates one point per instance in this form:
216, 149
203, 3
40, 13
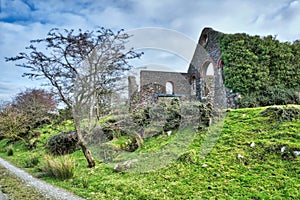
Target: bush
282, 113
32, 161
10, 150
173, 115
277, 95
63, 143
249, 101
60, 167
272, 95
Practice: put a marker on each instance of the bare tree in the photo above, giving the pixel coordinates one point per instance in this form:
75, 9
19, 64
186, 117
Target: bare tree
92, 62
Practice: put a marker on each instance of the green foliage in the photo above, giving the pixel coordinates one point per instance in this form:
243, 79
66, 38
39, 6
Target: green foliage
282, 114
173, 115
32, 161
272, 95
10, 150
28, 110
58, 167
264, 67
64, 114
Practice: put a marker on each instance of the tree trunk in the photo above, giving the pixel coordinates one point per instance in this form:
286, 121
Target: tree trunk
87, 154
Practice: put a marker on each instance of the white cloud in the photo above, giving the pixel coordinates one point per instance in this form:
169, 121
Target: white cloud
21, 21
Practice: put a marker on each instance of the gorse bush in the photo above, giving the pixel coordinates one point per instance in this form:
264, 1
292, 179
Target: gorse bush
58, 167
63, 143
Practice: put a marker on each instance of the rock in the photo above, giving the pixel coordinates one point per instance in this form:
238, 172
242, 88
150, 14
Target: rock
169, 133
252, 144
124, 166
240, 156
297, 153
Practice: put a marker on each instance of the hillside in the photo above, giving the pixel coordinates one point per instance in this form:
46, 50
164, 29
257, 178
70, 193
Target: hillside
255, 156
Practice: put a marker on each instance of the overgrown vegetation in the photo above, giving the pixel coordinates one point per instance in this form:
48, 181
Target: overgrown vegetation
262, 69
256, 156
63, 143
58, 167
28, 110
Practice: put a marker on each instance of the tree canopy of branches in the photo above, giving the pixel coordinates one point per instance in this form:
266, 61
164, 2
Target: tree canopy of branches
66, 50
83, 67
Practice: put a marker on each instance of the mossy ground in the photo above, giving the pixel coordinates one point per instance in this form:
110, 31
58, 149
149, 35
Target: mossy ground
232, 170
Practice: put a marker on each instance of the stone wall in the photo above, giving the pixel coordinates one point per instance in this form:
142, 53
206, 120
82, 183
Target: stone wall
179, 80
206, 52
193, 83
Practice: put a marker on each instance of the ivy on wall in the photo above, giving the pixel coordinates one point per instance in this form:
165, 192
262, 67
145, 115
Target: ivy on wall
254, 64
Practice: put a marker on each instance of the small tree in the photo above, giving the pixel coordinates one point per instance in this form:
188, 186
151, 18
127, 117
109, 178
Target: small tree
28, 110
13, 123
93, 61
37, 104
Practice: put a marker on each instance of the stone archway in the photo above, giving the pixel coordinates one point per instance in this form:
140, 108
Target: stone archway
169, 87
208, 83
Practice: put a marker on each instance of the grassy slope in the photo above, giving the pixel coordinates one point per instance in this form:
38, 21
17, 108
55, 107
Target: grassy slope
263, 172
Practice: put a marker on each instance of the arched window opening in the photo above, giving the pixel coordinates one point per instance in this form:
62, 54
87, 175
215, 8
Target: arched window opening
204, 40
210, 70
193, 85
169, 88
193, 82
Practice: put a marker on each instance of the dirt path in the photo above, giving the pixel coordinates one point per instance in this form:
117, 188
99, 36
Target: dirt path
15, 183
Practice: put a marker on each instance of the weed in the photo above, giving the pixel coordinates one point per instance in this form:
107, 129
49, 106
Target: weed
85, 182
58, 167
10, 150
32, 161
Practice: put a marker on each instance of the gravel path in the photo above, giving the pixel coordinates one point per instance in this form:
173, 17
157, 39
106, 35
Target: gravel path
46, 188
3, 196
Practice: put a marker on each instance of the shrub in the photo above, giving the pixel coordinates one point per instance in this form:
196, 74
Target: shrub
272, 95
277, 95
32, 161
282, 113
173, 115
189, 157
10, 150
63, 143
60, 167
249, 101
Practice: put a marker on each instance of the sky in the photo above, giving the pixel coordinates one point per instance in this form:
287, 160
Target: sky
161, 27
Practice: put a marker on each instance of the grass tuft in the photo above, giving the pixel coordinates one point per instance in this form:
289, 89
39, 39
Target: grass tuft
32, 161
58, 167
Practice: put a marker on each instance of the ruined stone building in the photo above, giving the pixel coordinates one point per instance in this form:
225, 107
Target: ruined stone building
203, 80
